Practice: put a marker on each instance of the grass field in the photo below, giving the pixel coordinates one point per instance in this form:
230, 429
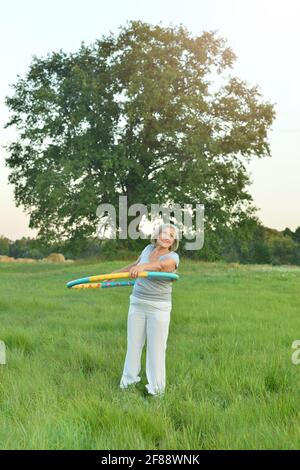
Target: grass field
230, 380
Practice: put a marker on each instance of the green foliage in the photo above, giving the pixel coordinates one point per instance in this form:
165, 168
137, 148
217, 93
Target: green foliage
4, 246
296, 235
27, 247
19, 248
282, 249
151, 113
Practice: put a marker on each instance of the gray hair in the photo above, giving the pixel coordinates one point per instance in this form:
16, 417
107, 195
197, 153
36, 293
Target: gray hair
159, 229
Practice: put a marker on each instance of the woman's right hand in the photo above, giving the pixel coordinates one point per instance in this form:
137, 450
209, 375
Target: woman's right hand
136, 270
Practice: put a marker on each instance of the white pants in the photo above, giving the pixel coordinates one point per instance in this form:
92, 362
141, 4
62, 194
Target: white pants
147, 320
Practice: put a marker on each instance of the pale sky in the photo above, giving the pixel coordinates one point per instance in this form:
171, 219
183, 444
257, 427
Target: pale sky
264, 34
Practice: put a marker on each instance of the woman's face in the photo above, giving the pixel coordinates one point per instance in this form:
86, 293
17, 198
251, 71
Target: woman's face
166, 237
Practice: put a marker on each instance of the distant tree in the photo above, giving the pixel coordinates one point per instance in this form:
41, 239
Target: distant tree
246, 236
297, 235
18, 248
288, 232
150, 113
261, 252
4, 246
282, 250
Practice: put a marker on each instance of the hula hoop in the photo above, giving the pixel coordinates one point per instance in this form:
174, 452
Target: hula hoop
104, 284
112, 276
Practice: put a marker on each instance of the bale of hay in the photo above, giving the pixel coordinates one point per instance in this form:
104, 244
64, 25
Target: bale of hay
6, 259
235, 265
56, 258
25, 260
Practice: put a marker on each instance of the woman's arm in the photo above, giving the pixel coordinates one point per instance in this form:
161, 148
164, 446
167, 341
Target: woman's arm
126, 269
167, 265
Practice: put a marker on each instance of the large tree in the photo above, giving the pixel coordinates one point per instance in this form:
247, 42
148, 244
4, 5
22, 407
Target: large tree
152, 113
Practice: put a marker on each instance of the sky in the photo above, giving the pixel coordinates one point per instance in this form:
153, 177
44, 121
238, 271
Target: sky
264, 34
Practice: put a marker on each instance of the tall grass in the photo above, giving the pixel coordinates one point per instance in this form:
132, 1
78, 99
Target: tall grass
230, 380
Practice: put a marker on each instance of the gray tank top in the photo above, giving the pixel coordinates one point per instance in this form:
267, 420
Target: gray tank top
155, 290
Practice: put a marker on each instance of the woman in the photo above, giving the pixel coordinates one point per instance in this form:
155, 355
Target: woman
149, 310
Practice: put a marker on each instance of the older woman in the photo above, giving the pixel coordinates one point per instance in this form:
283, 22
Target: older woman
149, 310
